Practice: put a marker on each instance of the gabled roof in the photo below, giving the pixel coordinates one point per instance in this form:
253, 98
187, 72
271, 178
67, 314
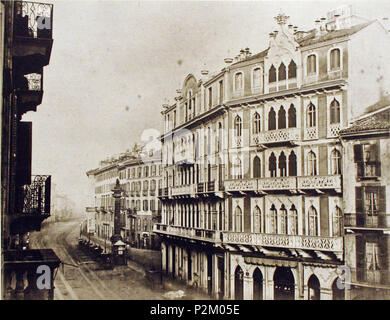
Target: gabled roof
311, 38
371, 121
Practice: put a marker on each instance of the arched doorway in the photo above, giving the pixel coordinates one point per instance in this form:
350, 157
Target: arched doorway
314, 288
257, 285
337, 293
238, 284
284, 285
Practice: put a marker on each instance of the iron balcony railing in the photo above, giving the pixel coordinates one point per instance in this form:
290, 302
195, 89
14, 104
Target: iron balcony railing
36, 196
33, 20
365, 220
370, 277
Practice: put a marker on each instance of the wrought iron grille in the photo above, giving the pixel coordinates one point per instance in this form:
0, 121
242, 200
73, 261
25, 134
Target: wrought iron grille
33, 19
36, 196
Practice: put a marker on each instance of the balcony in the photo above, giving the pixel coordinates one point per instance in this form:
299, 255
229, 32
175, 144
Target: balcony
331, 182
280, 136
363, 220
277, 184
22, 265
374, 278
334, 244
32, 205
29, 90
186, 232
239, 185
145, 193
33, 27
152, 193
163, 192
184, 190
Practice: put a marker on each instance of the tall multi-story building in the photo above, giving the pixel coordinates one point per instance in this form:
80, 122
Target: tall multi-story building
366, 203
252, 188
139, 176
26, 43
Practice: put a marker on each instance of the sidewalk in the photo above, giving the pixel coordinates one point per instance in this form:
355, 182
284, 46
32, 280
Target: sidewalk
170, 285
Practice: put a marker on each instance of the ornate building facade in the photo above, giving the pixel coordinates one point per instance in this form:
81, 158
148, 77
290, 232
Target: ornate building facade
252, 191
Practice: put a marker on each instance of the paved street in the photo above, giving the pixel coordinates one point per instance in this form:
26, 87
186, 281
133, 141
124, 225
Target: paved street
81, 278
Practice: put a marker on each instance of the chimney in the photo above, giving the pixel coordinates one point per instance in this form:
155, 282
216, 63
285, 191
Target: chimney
247, 52
317, 24
228, 61
323, 25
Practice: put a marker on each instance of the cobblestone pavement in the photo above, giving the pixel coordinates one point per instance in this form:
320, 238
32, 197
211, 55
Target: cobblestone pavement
80, 277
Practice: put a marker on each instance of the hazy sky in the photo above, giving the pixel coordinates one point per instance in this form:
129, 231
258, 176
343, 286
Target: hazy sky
114, 63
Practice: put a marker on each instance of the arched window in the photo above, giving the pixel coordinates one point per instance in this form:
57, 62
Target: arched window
293, 221
282, 72
313, 222
311, 64
237, 168
272, 165
335, 59
257, 220
292, 117
292, 164
311, 164
238, 219
256, 167
283, 220
256, 123
257, 83
334, 111
282, 165
335, 162
292, 70
337, 218
272, 74
311, 115
272, 119
273, 220
238, 81
314, 291
281, 118
238, 126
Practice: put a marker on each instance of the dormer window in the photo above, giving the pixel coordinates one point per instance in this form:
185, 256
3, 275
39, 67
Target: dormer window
272, 74
311, 64
335, 61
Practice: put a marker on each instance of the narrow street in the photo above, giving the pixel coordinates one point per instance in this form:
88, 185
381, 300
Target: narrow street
80, 277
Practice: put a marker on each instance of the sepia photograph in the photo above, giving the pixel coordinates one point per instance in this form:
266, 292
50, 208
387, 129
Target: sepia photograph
213, 151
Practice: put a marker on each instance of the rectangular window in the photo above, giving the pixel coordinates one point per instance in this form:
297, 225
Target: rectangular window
366, 156
220, 92
210, 97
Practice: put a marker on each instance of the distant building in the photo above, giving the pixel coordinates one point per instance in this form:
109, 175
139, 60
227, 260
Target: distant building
366, 145
139, 175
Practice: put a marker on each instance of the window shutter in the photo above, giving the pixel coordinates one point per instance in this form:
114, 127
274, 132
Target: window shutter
357, 150
24, 150
373, 152
359, 199
382, 199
